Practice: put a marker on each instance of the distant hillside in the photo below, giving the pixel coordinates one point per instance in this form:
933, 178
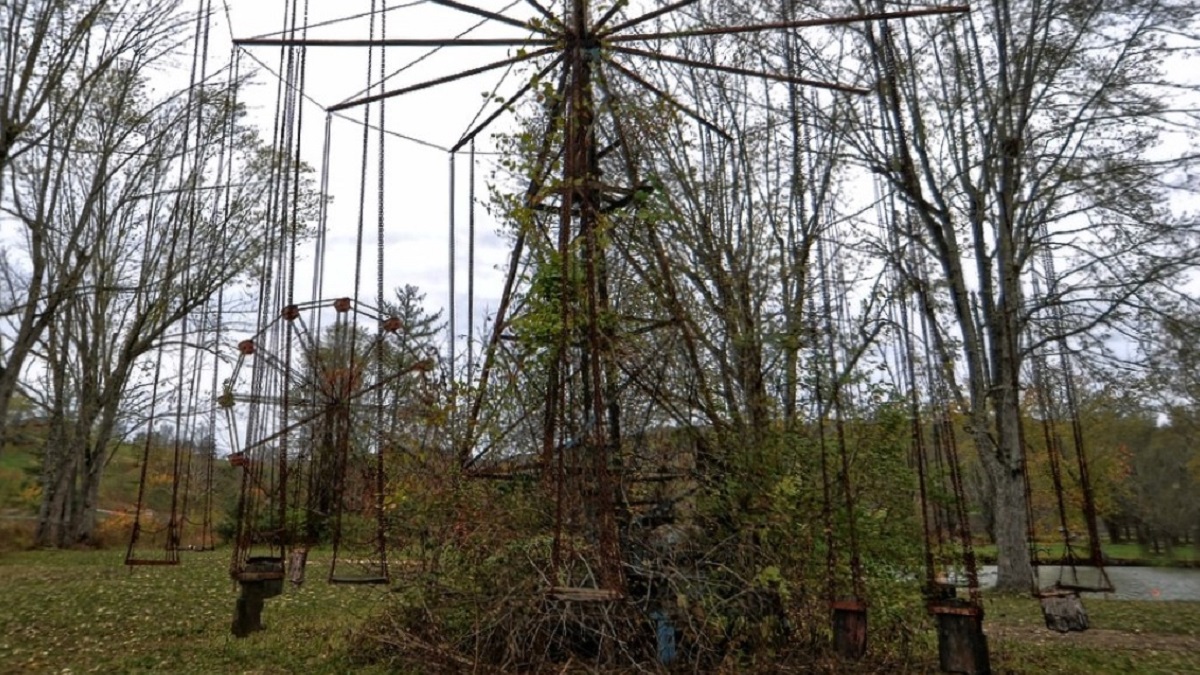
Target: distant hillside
20, 492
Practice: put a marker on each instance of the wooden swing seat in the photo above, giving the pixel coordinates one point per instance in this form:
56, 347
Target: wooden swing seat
574, 594
150, 562
1061, 589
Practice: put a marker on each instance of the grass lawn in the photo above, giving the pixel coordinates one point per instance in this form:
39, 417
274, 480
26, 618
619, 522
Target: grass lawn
1123, 551
1126, 637
86, 612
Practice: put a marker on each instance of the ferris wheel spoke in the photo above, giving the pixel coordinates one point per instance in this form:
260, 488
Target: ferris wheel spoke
544, 12
352, 17
307, 341
442, 80
281, 366
393, 42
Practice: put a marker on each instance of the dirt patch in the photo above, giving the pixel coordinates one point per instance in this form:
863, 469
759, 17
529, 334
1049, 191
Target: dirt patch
1096, 638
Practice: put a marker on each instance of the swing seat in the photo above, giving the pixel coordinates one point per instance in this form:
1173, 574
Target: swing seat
849, 628
962, 644
1094, 579
360, 581
574, 594
1063, 610
265, 573
151, 562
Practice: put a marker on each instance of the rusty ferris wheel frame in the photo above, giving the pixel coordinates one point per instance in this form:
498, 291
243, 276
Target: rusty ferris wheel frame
582, 45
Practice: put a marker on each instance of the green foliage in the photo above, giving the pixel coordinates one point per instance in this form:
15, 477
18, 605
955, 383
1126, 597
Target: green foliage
762, 516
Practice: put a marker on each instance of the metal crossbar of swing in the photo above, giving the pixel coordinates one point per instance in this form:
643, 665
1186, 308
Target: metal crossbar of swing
360, 581
1103, 584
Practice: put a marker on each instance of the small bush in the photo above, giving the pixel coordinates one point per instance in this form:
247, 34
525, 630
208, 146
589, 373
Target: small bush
16, 535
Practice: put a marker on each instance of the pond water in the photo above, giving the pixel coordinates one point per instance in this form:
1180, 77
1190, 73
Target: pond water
1132, 583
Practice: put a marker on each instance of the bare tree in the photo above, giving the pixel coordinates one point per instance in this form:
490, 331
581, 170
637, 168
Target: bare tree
59, 57
1020, 139
160, 243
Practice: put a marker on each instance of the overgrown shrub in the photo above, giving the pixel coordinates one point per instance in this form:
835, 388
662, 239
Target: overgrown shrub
734, 569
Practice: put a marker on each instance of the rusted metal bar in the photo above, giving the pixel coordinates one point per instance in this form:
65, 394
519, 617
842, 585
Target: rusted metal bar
488, 15
394, 42
788, 25
649, 16
741, 71
441, 80
612, 11
469, 136
541, 168
668, 98
544, 12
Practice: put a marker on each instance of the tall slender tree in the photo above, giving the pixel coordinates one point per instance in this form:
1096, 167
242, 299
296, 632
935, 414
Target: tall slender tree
59, 57
1030, 131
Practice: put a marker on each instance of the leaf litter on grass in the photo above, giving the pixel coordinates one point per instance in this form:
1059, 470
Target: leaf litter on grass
85, 611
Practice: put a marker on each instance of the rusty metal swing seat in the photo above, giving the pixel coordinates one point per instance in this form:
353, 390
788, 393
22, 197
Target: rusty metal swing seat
962, 644
377, 574
260, 578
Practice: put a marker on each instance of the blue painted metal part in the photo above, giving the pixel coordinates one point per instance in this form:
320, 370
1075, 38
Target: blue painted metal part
666, 638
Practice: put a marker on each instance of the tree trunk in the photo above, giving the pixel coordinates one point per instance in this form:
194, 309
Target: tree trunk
86, 506
53, 512
1011, 524
1114, 530
57, 481
1015, 569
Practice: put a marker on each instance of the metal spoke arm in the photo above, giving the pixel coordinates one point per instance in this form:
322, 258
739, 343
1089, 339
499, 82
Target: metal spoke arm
649, 16
490, 15
441, 80
512, 100
787, 25
628, 73
395, 42
554, 20
733, 70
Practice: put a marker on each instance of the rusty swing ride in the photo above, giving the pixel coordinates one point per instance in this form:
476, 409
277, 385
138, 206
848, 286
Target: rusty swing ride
582, 50
315, 389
